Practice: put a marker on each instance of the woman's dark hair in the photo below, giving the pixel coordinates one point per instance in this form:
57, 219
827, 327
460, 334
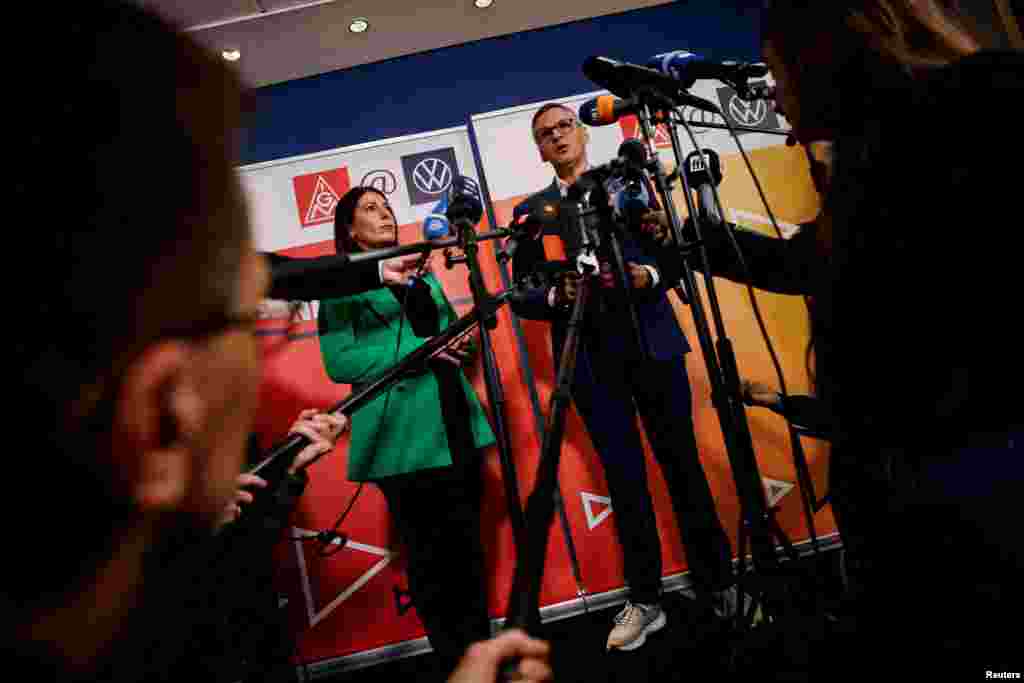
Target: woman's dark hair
345, 213
845, 59
838, 53
908, 32
849, 63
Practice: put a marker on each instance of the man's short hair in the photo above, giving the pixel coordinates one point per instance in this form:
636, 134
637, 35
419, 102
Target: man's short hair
127, 201
545, 109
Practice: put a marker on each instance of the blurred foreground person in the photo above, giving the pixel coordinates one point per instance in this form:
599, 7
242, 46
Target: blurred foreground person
136, 370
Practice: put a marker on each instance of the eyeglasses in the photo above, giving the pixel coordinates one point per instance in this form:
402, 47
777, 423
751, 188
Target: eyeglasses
546, 135
217, 324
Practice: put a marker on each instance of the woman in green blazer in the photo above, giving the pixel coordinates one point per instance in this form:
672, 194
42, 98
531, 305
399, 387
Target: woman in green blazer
420, 441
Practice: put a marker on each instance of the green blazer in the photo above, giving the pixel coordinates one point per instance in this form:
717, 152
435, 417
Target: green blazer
358, 335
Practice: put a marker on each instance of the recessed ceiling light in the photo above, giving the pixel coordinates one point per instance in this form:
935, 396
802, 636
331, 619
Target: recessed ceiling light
483, 4
358, 25
231, 55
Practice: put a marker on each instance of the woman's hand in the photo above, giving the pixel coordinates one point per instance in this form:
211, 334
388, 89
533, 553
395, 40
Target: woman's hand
460, 352
757, 394
233, 510
397, 271
323, 429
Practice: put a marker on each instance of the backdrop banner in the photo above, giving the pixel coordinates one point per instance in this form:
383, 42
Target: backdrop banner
343, 600
345, 603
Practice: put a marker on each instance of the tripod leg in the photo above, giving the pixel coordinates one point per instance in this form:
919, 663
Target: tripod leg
618, 265
806, 485
742, 577
524, 597
496, 396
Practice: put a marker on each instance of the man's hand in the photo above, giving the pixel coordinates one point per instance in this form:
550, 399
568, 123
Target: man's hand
233, 510
639, 275
482, 660
398, 270
654, 224
567, 289
323, 429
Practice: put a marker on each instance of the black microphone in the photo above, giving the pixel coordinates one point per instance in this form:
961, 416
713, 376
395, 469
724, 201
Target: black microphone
529, 226
626, 80
756, 91
688, 68
465, 201
704, 173
633, 152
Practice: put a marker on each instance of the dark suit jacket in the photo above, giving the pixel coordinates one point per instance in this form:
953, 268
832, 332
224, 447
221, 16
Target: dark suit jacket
662, 335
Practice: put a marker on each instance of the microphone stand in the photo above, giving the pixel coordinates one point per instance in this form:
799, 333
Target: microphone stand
274, 466
742, 129
757, 520
279, 458
420, 247
524, 596
600, 233
486, 308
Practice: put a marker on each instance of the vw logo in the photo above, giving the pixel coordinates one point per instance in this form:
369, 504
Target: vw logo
748, 113
432, 176
382, 181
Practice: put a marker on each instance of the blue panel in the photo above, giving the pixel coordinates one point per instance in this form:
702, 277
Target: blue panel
441, 88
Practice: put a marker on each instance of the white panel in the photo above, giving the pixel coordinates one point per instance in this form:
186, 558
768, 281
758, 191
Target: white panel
273, 200
513, 165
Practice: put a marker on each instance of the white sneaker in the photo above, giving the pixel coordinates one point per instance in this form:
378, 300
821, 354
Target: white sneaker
633, 624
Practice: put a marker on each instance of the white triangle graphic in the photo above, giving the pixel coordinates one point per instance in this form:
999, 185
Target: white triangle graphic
316, 617
323, 202
776, 490
661, 137
588, 500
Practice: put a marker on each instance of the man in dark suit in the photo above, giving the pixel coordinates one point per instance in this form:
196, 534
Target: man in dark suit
613, 381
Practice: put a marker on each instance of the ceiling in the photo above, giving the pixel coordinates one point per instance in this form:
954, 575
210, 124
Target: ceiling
282, 40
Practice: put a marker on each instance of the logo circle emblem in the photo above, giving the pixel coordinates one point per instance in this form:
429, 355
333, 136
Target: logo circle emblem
432, 176
748, 113
382, 181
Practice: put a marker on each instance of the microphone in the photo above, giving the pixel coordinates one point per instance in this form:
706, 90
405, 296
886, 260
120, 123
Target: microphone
704, 172
632, 198
436, 225
605, 110
687, 68
633, 152
465, 201
632, 201
757, 91
626, 80
529, 226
